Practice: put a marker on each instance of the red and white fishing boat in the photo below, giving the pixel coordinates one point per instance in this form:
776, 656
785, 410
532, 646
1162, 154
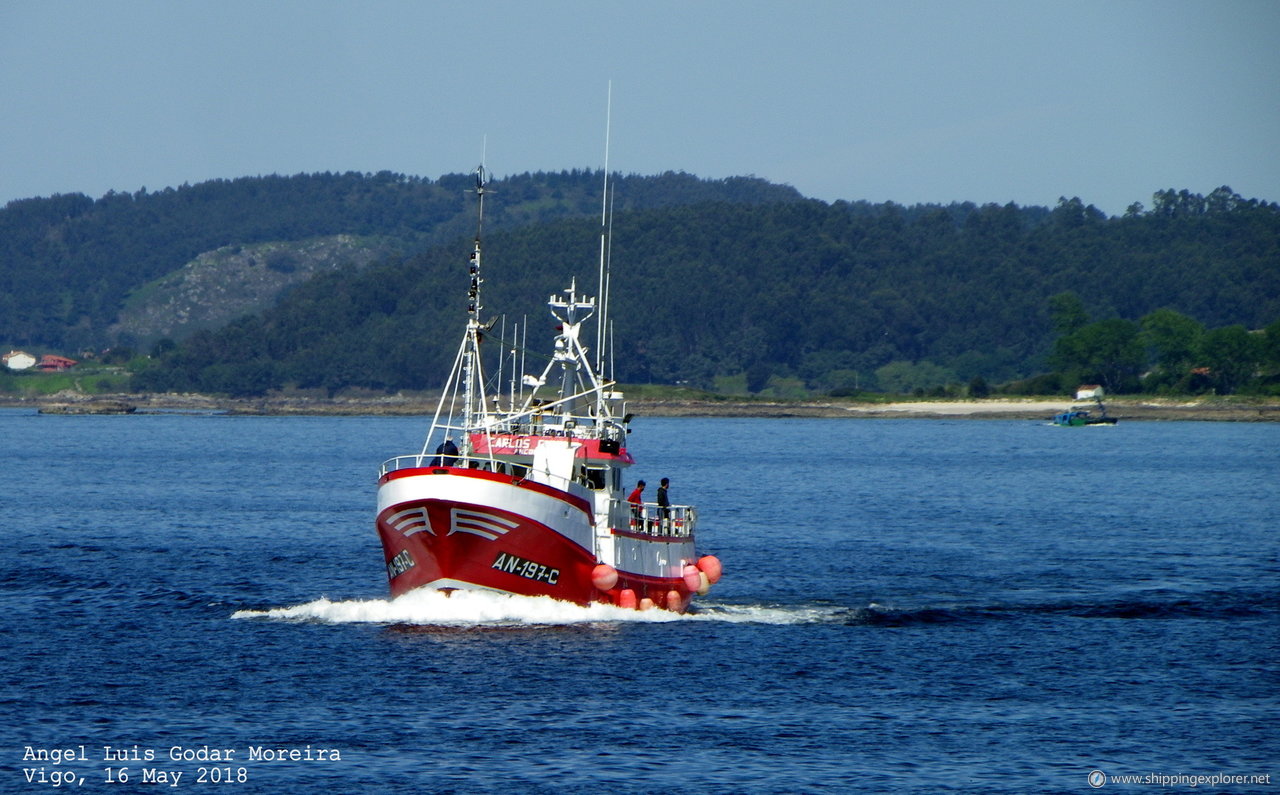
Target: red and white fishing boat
520, 489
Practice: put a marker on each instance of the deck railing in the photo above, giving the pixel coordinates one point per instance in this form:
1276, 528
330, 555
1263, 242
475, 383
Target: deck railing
405, 462
652, 519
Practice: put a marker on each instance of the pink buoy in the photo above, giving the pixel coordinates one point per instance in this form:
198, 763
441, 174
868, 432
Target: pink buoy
646, 603
627, 598
604, 576
674, 602
692, 578
711, 565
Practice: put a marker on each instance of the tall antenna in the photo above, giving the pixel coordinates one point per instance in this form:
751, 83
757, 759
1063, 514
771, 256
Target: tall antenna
608, 277
472, 390
473, 295
482, 182
604, 216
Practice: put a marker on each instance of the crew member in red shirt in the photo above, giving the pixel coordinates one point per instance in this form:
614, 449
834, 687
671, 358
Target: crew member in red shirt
637, 504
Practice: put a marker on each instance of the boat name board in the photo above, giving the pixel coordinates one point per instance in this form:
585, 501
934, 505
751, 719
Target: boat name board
526, 568
526, 444
399, 564
512, 445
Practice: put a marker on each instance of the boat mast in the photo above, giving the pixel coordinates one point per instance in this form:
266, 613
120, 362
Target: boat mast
603, 291
569, 353
608, 277
471, 357
604, 214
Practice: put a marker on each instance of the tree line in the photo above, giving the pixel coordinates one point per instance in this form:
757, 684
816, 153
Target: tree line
808, 295
69, 262
1163, 352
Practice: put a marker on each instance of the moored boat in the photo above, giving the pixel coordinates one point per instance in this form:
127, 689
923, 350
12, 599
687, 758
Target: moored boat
520, 489
1076, 416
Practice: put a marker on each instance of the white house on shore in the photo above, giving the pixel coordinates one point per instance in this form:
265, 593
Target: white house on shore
18, 360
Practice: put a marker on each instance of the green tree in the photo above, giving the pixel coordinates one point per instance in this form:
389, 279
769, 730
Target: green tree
1232, 355
1066, 311
1172, 336
1271, 345
758, 375
906, 377
1173, 339
1108, 351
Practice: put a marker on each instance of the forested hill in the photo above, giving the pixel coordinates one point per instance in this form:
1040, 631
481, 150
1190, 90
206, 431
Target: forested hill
68, 263
823, 295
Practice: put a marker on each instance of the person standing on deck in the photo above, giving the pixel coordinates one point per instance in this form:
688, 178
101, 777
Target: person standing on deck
636, 498
664, 503
446, 453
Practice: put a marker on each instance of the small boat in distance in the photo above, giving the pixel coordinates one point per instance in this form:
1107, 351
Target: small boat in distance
519, 487
1075, 416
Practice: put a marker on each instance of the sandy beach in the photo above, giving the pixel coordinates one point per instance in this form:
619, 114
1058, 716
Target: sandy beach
1211, 409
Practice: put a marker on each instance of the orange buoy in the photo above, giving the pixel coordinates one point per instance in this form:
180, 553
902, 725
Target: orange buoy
704, 583
674, 602
604, 576
627, 598
692, 578
711, 565
646, 603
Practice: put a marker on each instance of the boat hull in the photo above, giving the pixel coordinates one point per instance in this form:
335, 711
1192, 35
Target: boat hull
453, 527
1077, 419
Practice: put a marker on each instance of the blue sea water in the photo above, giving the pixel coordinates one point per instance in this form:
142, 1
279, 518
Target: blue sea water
908, 606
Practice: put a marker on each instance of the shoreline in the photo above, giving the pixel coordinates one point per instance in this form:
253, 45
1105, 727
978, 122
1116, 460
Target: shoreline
1144, 409
1137, 409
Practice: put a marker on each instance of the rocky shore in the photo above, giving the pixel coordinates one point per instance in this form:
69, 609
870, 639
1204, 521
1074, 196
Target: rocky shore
99, 406
1211, 408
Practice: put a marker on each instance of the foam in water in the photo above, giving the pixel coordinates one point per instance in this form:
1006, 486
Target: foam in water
465, 608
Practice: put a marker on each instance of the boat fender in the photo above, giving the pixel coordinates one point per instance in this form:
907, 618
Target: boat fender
604, 576
711, 565
692, 577
704, 583
627, 598
674, 602
646, 603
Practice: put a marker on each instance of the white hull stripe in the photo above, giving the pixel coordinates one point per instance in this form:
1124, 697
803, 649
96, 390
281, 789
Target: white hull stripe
485, 525
409, 521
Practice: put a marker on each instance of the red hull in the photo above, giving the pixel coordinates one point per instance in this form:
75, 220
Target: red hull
433, 536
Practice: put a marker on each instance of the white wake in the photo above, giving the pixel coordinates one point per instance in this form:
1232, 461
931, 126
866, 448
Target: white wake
471, 608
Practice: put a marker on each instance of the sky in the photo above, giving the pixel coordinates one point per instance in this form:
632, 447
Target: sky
912, 101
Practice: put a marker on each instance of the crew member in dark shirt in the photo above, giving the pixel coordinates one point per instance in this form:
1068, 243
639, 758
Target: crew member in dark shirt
664, 503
